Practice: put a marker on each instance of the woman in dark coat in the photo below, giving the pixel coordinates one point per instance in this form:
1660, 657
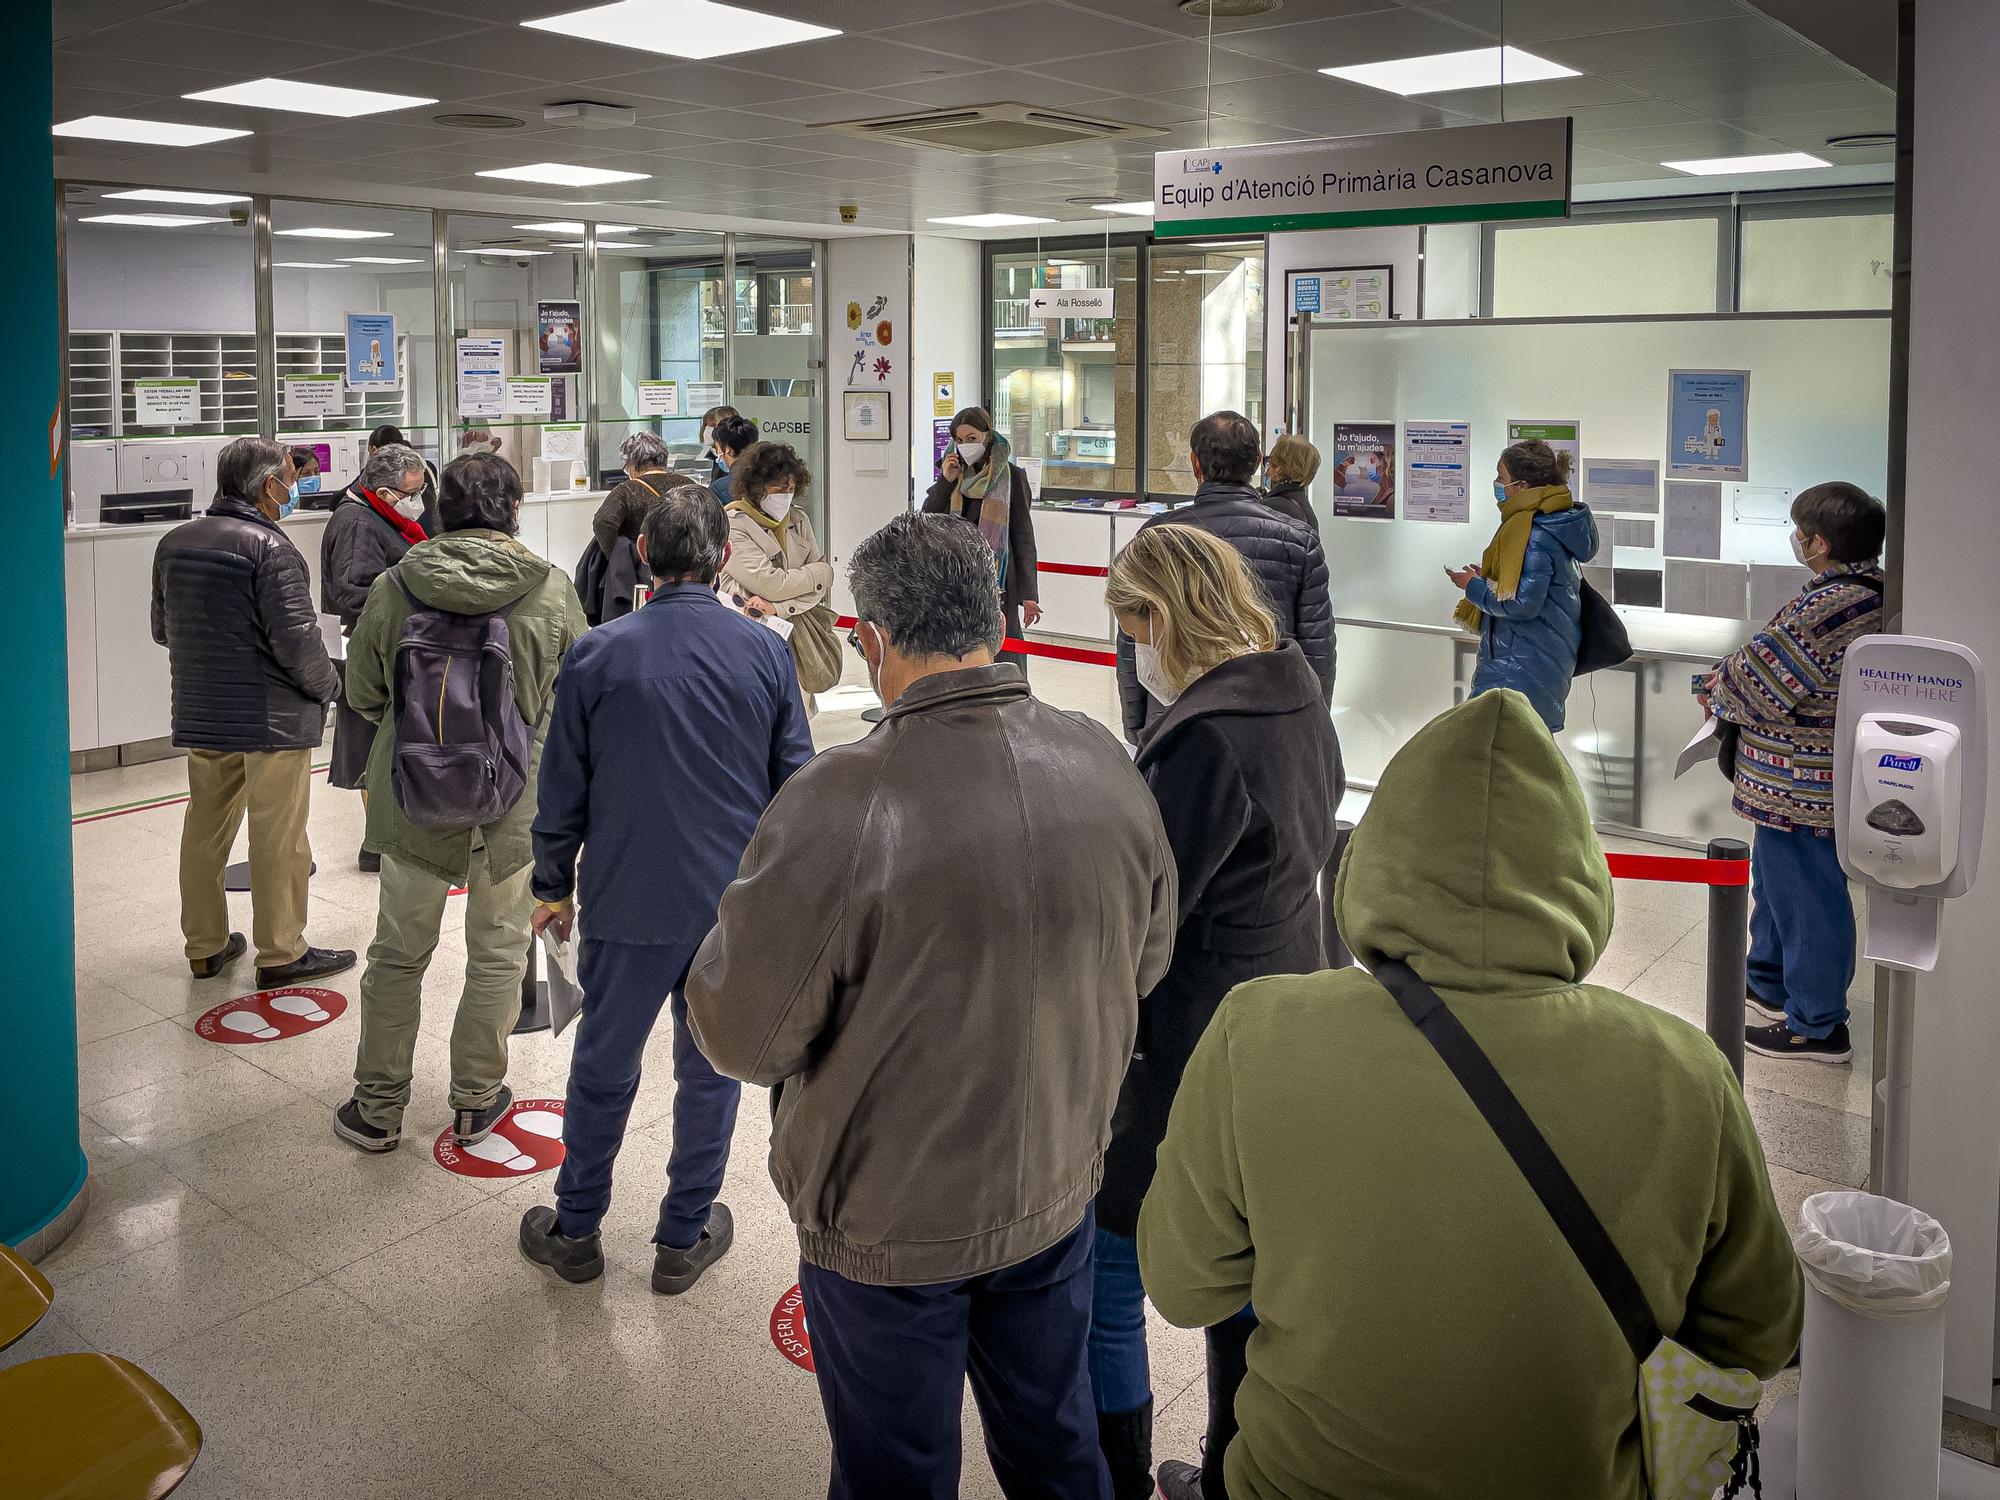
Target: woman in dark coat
1247, 773
378, 519
980, 481
1288, 469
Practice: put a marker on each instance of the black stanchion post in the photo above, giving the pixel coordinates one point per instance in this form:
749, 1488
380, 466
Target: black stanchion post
1728, 955
1337, 956
534, 994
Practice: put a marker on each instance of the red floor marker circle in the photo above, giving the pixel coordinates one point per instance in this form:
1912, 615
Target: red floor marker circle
527, 1140
788, 1329
270, 1016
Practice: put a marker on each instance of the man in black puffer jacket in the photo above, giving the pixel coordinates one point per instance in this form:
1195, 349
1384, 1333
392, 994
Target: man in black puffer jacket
1284, 555
232, 604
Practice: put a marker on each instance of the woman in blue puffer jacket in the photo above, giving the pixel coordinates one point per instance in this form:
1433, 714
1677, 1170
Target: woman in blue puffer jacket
1525, 596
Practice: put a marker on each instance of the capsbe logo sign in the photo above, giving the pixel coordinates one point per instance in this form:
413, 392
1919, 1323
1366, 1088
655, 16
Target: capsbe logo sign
788, 1329
527, 1140
270, 1016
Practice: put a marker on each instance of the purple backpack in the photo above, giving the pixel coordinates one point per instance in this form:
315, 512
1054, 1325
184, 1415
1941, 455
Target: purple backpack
461, 750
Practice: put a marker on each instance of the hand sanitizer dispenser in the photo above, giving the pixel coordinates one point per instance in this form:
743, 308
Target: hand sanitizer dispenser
1903, 811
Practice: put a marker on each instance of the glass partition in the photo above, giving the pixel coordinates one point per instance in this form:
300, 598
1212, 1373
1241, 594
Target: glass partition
330, 261
777, 351
519, 342
1817, 260
659, 340
1205, 343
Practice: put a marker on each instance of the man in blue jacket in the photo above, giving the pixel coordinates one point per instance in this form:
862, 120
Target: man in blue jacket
673, 729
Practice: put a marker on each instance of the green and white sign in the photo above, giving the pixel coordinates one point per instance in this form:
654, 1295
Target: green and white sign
166, 403
659, 398
1518, 170
314, 396
1564, 437
530, 396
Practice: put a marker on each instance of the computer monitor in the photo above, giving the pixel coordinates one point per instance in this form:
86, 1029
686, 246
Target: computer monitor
130, 507
610, 478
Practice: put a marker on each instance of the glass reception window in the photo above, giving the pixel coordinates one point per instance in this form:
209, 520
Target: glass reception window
1205, 342
660, 340
1586, 269
776, 353
1066, 390
1819, 262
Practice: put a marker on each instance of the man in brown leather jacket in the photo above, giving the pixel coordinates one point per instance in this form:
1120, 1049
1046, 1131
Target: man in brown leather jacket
935, 953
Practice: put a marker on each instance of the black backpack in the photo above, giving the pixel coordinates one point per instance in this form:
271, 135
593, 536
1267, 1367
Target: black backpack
1604, 642
461, 750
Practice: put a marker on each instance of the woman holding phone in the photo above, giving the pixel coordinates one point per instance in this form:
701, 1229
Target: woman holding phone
979, 481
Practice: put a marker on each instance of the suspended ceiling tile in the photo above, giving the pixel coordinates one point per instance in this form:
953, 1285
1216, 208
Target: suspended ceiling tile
1535, 101
707, 84
244, 55
1158, 110
1033, 32
1528, 21
368, 23
1741, 85
861, 62
1287, 94
1375, 37
157, 80
724, 124
1169, 17
1158, 69
1680, 142
872, 15
527, 54
1694, 43
825, 109
1637, 114
1000, 86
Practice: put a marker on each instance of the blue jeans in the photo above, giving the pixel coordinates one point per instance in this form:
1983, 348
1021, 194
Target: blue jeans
1120, 1378
1801, 929
892, 1362
624, 986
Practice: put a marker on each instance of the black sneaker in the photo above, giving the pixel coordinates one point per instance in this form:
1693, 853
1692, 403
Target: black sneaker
1781, 1041
350, 1127
471, 1126
674, 1271
314, 963
1179, 1481
368, 862
208, 968
1764, 1008
576, 1260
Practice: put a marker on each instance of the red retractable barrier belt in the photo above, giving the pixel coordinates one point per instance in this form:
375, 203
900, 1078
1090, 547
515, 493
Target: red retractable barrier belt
1075, 570
1080, 654
1676, 868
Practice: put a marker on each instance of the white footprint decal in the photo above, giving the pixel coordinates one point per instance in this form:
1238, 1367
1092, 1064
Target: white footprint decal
545, 1123
297, 1005
498, 1149
249, 1023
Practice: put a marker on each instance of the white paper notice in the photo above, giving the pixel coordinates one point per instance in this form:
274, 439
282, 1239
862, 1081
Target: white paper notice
1435, 455
1694, 518
1634, 532
702, 394
563, 444
1032, 467
530, 395
660, 398
1704, 746
1622, 484
482, 379
314, 396
166, 403
1706, 588
1761, 505
1772, 586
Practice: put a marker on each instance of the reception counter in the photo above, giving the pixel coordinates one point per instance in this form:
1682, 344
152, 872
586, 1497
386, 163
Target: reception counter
119, 692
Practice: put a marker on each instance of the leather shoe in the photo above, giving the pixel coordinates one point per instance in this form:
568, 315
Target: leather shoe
674, 1271
208, 968
314, 963
575, 1260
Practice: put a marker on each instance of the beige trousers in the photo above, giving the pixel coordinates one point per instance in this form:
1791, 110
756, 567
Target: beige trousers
275, 787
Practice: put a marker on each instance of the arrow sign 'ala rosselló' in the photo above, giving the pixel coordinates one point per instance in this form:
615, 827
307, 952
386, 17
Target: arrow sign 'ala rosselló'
1071, 302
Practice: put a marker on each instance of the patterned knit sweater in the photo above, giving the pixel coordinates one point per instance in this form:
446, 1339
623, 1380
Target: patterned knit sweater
1782, 689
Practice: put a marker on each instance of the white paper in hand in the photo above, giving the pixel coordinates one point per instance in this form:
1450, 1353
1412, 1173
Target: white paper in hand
1704, 746
565, 994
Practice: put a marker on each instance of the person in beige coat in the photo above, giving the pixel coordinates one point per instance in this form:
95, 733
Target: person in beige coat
775, 566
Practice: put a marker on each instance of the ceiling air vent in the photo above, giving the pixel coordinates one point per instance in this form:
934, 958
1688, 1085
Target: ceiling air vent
984, 129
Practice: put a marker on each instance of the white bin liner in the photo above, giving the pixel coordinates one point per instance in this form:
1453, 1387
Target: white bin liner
1874, 1256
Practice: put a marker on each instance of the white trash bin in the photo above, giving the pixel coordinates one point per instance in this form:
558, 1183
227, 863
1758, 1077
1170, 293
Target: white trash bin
1871, 1387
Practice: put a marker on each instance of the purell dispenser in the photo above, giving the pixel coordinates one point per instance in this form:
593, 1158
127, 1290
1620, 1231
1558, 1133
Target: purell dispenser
1903, 812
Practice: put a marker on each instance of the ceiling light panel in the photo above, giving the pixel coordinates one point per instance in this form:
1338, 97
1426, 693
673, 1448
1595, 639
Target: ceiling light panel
562, 174
175, 195
307, 265
502, 250
1442, 72
564, 226
143, 132
603, 245
380, 260
1144, 207
989, 221
150, 221
308, 98
1729, 166
682, 28
323, 232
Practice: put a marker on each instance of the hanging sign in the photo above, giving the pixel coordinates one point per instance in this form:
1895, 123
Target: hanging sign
659, 398
702, 394
482, 377
371, 350
559, 337
165, 403
1516, 170
530, 396
563, 444
314, 396
1071, 302
944, 393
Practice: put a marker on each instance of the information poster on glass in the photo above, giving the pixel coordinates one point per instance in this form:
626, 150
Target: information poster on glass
482, 377
1708, 424
1564, 437
166, 403
1341, 294
1363, 468
371, 350
1435, 478
1627, 485
559, 337
308, 396
702, 394
564, 443
659, 398
530, 396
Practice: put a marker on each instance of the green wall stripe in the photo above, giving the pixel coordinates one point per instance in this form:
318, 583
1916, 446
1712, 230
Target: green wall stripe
1358, 218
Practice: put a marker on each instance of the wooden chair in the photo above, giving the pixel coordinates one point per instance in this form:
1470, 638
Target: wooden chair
25, 1295
92, 1427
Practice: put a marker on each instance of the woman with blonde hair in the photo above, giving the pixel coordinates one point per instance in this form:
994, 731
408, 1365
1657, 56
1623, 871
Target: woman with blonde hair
1288, 469
1246, 770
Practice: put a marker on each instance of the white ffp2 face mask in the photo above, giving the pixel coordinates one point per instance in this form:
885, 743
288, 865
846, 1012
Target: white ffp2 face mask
1146, 662
1799, 551
707, 437
971, 452
777, 505
410, 507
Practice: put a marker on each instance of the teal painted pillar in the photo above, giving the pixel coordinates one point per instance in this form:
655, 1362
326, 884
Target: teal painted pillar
42, 1170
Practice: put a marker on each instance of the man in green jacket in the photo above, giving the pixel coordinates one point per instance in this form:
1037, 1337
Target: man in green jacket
475, 567
1425, 1333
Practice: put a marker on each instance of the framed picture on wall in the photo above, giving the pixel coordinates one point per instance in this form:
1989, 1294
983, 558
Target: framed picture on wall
864, 416
1340, 294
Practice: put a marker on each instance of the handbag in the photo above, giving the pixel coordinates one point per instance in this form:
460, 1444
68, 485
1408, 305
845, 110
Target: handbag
1697, 1419
1603, 642
816, 649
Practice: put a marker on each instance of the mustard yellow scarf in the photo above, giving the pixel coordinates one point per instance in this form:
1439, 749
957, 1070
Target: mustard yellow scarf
1507, 553
756, 513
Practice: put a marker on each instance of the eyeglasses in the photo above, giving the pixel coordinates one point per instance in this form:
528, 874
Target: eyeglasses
854, 640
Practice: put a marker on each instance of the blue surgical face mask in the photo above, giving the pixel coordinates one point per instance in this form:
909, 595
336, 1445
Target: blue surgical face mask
1499, 492
309, 485
291, 500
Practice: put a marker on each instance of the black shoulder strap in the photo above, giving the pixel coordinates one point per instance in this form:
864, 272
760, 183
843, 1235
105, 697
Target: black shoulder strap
1531, 1151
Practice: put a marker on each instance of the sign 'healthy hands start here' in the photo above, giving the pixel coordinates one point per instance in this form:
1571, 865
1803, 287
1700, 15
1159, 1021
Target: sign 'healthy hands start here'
1519, 170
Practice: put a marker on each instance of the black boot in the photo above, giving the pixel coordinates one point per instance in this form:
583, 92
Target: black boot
1127, 1440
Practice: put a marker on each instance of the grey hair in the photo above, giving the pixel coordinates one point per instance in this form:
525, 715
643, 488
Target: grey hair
686, 533
388, 464
646, 450
243, 466
930, 584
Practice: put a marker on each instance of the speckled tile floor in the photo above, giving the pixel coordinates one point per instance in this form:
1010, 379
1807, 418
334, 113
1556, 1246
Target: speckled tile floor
346, 1326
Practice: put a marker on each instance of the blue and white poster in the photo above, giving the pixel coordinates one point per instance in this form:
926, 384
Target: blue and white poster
1708, 424
371, 350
